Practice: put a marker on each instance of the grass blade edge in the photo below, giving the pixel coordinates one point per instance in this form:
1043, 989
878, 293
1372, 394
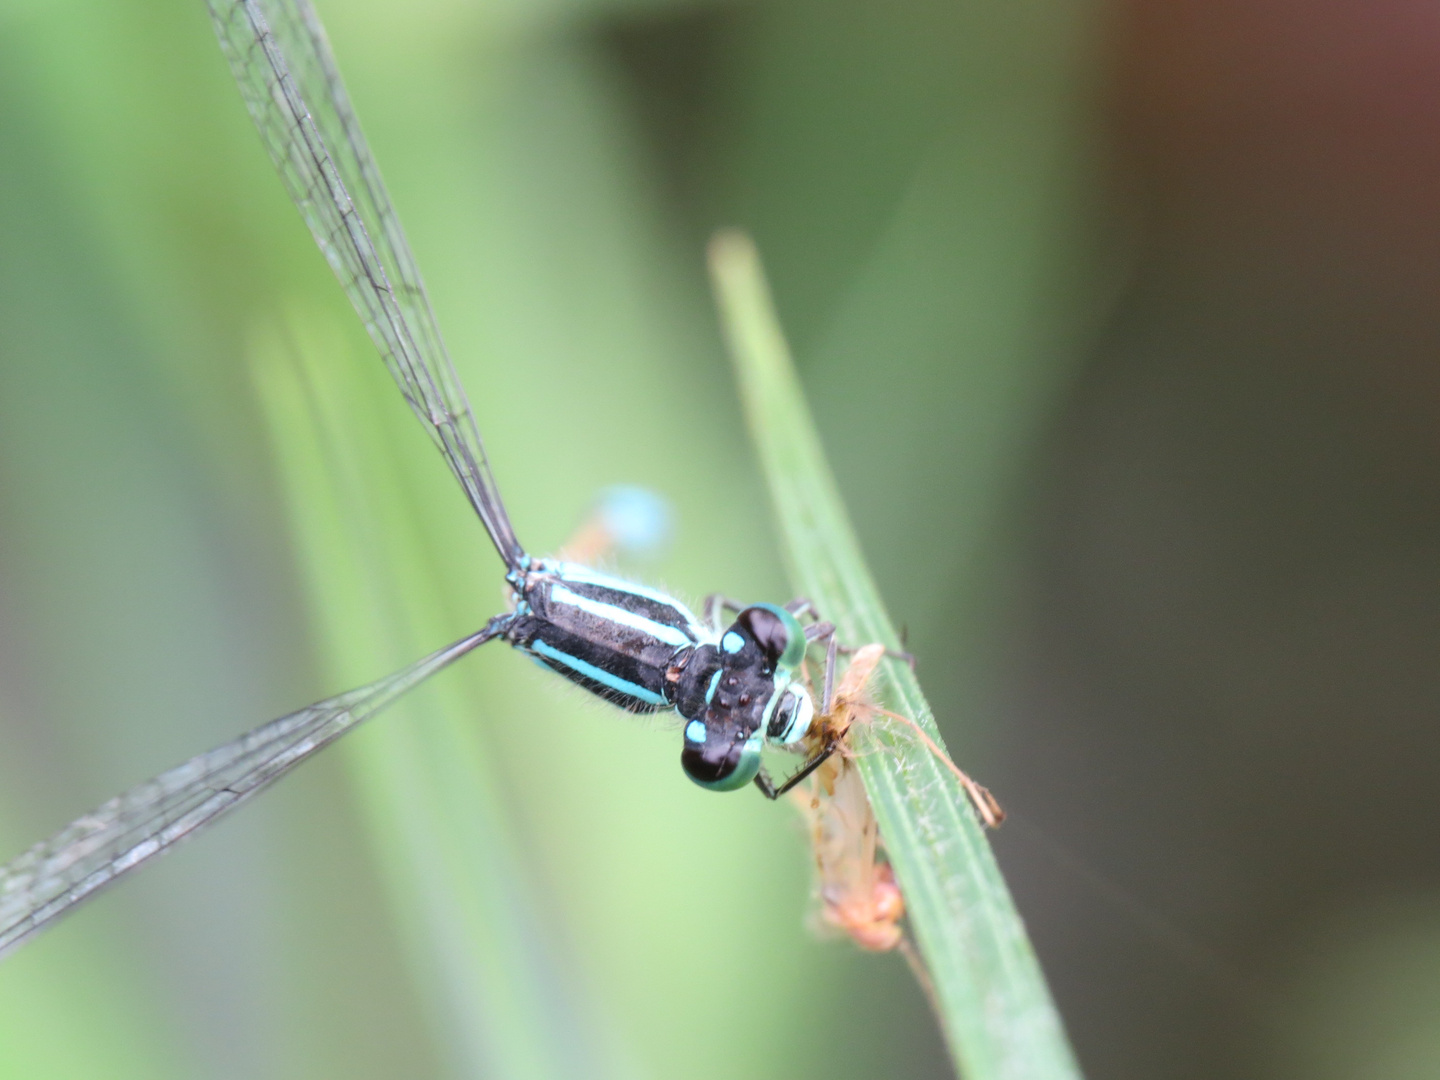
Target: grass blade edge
993, 1004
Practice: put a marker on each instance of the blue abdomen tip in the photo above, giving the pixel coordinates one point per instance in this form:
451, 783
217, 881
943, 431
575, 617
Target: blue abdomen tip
639, 520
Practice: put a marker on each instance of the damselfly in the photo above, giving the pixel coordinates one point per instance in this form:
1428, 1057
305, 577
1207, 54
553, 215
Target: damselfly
736, 687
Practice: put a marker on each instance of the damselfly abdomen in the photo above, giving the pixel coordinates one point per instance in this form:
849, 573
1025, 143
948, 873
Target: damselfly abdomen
615, 639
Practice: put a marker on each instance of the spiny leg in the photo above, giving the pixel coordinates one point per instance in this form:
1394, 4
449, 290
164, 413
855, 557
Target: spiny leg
894, 654
907, 658
819, 629
767, 786
832, 646
802, 605
829, 684
718, 603
823, 631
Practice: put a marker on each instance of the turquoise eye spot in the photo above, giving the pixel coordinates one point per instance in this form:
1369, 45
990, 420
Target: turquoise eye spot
695, 731
710, 691
732, 642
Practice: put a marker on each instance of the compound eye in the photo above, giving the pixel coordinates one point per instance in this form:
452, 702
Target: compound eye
778, 633
718, 757
791, 721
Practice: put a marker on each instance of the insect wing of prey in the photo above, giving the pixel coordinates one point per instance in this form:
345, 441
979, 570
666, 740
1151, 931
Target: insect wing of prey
280, 57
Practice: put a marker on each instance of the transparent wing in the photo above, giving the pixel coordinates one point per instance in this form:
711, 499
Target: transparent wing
280, 57
98, 849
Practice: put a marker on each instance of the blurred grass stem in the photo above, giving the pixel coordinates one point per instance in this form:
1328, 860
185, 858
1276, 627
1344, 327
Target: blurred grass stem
438, 826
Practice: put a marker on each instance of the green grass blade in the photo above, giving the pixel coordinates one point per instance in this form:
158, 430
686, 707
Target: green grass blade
993, 1004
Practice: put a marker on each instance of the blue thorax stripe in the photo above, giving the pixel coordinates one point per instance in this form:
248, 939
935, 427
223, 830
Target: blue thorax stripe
576, 572
670, 635
598, 674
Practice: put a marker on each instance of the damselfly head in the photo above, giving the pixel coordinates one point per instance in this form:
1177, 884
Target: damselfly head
751, 695
736, 704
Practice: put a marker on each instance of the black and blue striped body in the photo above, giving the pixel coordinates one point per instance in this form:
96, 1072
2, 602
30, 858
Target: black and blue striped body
632, 646
644, 651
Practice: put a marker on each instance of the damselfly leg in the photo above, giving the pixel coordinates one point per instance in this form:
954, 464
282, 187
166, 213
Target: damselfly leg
768, 787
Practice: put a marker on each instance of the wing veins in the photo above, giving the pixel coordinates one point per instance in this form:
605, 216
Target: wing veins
98, 848
287, 75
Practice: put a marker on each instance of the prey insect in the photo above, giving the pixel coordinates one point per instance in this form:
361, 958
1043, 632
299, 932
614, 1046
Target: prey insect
857, 889
736, 687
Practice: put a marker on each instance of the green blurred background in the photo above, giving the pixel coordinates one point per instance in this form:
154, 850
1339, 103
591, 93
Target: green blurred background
1119, 324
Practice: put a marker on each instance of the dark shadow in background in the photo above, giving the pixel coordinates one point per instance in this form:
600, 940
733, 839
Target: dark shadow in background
1224, 683
1221, 681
